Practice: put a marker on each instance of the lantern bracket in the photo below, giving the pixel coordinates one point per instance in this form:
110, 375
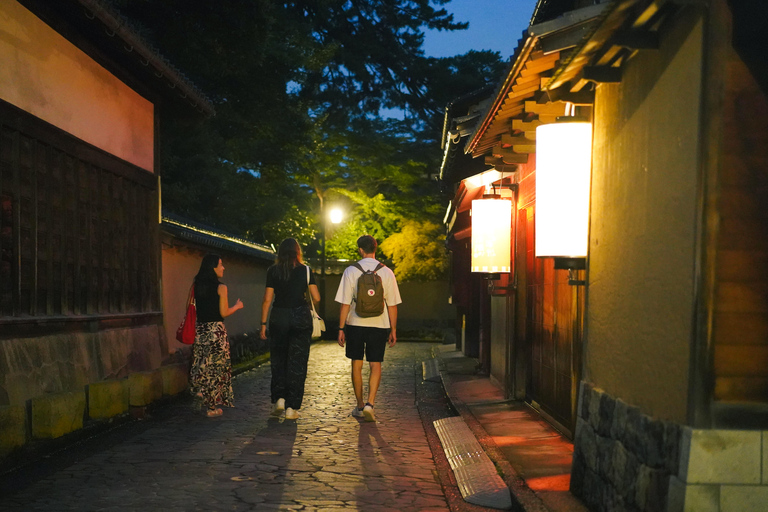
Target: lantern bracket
572, 281
570, 263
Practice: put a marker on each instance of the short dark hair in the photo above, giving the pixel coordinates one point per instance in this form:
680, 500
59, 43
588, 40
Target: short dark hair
367, 243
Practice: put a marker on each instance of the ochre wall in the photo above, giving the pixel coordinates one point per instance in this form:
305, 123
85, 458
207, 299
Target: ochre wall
46, 75
640, 300
245, 280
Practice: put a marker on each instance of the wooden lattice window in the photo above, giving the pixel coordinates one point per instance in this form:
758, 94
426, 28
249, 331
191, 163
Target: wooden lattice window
78, 227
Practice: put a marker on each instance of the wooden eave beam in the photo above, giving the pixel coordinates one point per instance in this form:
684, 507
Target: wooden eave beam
582, 97
602, 75
509, 140
556, 108
650, 11
510, 159
539, 65
638, 40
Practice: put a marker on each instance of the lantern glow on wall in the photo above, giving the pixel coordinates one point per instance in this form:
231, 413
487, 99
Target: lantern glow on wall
491, 235
563, 165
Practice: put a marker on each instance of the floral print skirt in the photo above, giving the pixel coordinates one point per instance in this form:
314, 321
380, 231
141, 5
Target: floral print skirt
211, 373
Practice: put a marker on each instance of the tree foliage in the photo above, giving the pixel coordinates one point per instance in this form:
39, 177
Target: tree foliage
417, 251
299, 87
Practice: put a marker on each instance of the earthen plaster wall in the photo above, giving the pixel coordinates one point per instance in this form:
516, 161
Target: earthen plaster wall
640, 298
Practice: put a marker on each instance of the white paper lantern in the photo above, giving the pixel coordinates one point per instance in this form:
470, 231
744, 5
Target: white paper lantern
491, 235
563, 167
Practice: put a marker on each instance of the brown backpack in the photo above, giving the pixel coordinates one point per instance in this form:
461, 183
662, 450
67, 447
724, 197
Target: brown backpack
369, 299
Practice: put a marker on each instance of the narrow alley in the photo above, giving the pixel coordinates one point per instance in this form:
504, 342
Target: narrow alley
247, 460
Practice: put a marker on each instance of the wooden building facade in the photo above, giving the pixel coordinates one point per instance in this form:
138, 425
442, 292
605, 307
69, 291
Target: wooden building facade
653, 357
80, 275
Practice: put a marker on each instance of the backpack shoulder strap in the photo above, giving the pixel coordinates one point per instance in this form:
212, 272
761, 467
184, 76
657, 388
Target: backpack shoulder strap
379, 266
358, 267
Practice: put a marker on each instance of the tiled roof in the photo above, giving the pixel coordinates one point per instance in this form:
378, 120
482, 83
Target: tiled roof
210, 238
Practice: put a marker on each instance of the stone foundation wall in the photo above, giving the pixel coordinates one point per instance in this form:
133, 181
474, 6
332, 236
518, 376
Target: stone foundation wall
31, 367
54, 415
53, 385
622, 458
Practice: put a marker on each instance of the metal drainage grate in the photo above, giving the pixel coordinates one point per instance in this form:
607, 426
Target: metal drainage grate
476, 475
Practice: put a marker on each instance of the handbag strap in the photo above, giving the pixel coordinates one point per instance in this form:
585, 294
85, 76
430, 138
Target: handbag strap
191, 296
311, 302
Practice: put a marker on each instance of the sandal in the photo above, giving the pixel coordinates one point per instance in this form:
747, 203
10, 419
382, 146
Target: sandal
212, 413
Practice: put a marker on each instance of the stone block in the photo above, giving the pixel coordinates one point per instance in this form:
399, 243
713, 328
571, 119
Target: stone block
145, 387
108, 399
651, 490
594, 408
617, 468
604, 455
13, 428
587, 445
605, 412
692, 498
672, 434
57, 414
743, 498
765, 458
653, 439
721, 457
584, 395
633, 432
175, 378
619, 421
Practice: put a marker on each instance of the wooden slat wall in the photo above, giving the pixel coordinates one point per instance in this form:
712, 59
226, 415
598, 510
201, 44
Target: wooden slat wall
740, 327
552, 329
78, 228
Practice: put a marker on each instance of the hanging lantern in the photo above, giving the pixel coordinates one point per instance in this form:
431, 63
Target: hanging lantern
563, 166
491, 235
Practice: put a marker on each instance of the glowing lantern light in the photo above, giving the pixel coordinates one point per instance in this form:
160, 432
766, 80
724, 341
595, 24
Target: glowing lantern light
491, 232
563, 163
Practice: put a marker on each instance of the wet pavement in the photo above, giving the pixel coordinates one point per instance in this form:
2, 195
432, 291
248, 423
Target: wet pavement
246, 460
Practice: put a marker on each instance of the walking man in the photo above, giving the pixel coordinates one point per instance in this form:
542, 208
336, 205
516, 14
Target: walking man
369, 296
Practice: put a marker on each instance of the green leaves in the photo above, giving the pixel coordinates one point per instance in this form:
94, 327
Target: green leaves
418, 251
299, 87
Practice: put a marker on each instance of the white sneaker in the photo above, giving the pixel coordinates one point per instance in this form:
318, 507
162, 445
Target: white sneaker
291, 414
368, 413
279, 407
357, 412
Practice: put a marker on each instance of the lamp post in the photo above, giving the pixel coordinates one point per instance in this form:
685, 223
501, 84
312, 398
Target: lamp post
335, 215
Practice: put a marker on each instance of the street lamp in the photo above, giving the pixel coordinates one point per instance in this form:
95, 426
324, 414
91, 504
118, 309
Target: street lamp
335, 215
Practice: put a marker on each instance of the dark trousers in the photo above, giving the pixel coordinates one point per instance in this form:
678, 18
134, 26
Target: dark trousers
290, 332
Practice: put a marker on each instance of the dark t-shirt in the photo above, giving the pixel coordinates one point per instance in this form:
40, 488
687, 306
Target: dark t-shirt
290, 293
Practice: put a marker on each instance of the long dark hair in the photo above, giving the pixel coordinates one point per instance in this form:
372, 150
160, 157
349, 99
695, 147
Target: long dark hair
206, 280
288, 257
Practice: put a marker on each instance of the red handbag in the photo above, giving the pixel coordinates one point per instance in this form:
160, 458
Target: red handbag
186, 331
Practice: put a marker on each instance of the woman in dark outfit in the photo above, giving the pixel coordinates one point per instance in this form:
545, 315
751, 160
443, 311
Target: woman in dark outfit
290, 326
211, 373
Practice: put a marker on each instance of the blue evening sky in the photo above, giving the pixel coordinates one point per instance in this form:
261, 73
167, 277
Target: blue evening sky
493, 25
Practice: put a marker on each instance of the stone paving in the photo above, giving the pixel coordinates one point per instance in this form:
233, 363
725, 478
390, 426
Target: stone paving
246, 460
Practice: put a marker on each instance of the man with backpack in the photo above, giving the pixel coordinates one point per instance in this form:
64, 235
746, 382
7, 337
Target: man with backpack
369, 296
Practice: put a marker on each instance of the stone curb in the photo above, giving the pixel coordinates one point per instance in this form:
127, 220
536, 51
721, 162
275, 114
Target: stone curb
430, 410
523, 498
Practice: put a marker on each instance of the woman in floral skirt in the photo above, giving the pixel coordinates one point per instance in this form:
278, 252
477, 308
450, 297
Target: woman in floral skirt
211, 373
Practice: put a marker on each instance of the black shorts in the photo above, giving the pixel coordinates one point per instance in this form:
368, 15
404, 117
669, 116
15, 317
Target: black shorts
368, 341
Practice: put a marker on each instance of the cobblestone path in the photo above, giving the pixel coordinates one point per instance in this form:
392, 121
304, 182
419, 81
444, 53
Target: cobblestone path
245, 460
